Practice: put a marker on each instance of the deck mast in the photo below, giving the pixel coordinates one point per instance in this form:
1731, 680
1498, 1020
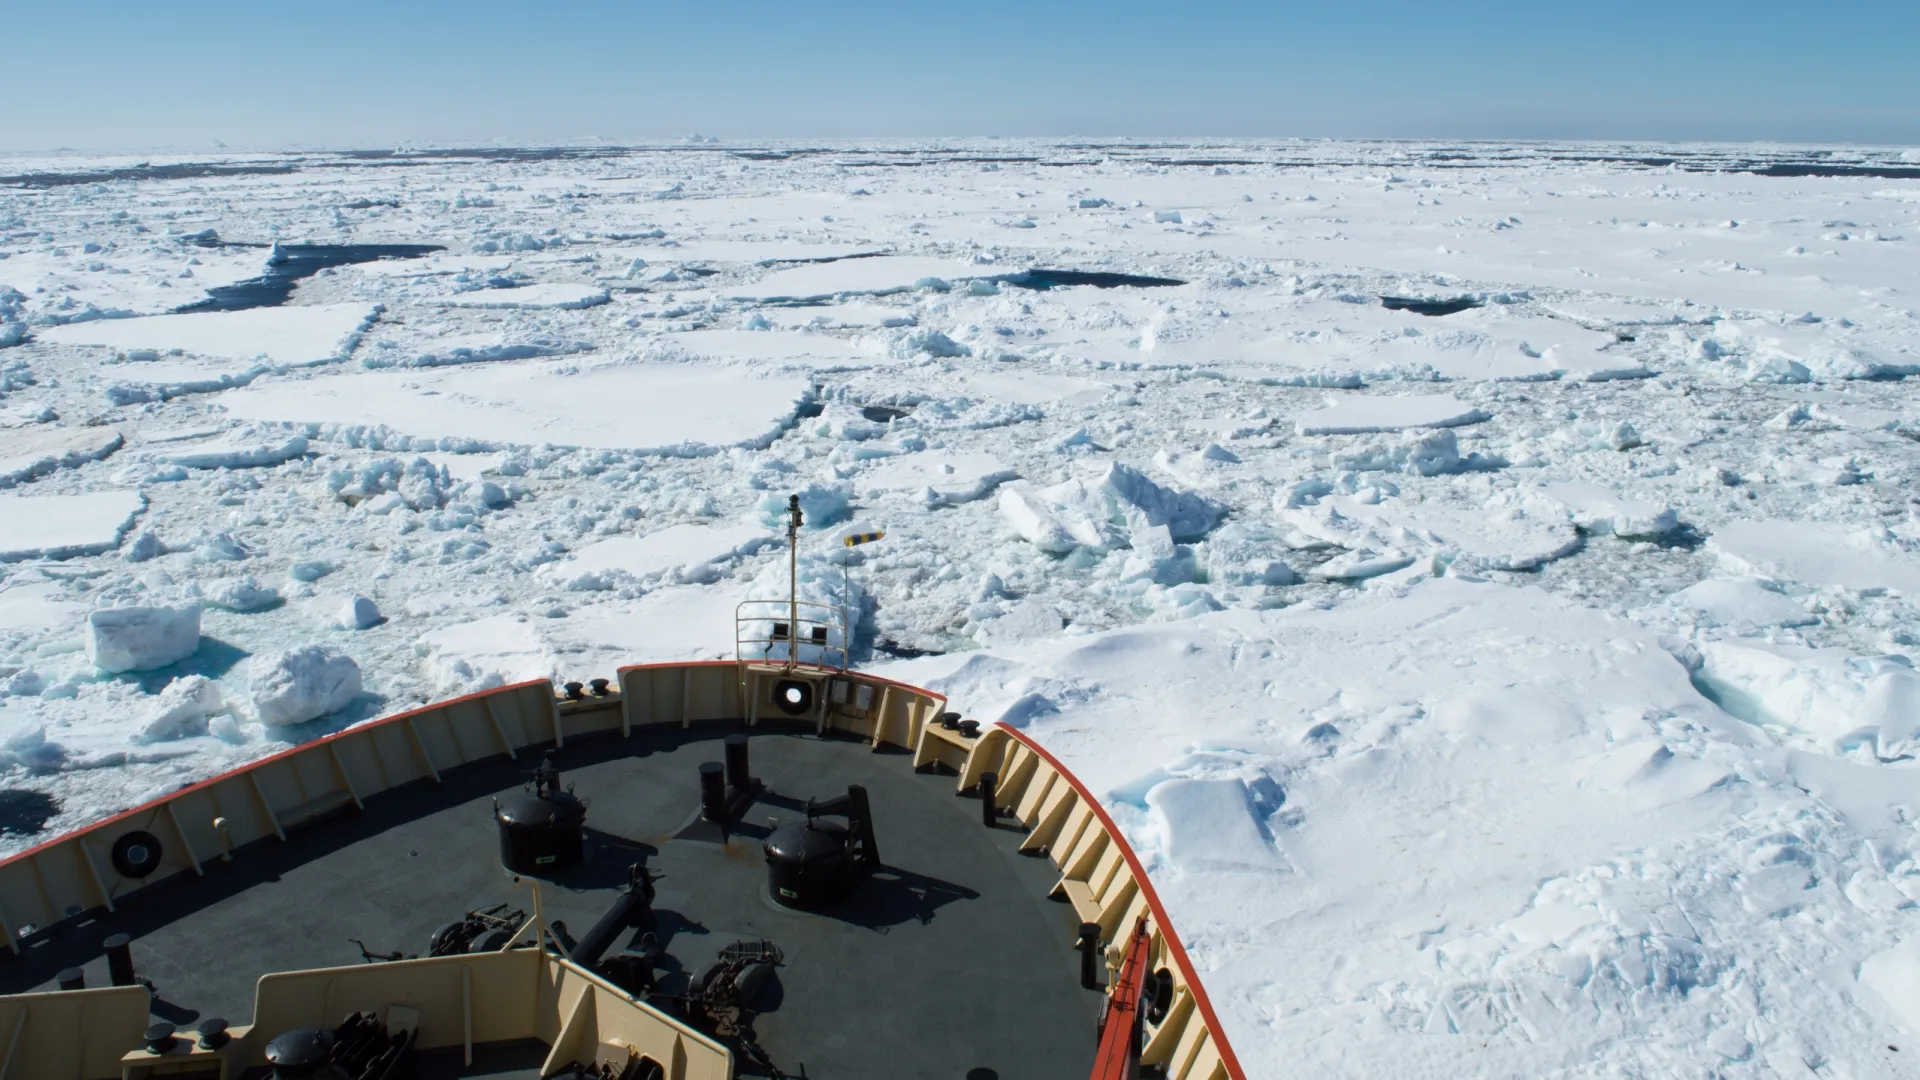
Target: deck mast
794, 520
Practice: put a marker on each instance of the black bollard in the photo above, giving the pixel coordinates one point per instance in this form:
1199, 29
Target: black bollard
738, 778
989, 793
73, 979
1089, 946
713, 791
160, 1038
119, 959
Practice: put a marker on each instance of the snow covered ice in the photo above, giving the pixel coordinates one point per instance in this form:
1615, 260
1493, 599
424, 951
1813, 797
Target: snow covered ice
297, 685
34, 524
288, 336
35, 451
1481, 581
142, 638
611, 406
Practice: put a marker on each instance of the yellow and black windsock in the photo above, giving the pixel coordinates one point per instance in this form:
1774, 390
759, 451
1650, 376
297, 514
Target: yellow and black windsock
856, 539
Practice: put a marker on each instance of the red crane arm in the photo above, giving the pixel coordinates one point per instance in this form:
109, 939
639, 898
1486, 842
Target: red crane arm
1119, 1054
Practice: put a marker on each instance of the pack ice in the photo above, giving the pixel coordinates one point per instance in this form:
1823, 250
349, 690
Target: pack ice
1482, 579
1102, 509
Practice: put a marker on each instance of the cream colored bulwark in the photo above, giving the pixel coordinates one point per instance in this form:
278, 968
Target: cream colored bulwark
521, 994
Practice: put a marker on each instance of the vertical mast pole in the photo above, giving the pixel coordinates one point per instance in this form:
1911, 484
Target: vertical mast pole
794, 519
852, 541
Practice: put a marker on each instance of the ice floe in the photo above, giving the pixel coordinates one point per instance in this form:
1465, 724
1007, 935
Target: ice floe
685, 553
555, 295
1595, 508
773, 349
63, 526
614, 406
29, 605
244, 448
876, 276
1816, 554
934, 477
757, 252
183, 708
470, 349
1356, 414
1742, 602
281, 336
35, 451
484, 653
1470, 537
667, 624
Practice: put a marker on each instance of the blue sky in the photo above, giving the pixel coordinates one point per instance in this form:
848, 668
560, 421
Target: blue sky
270, 73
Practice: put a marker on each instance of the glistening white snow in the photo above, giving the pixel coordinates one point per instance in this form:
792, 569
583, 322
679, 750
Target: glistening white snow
1454, 831
615, 407
1542, 705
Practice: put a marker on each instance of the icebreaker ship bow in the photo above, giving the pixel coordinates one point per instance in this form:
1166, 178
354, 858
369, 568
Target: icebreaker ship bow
774, 866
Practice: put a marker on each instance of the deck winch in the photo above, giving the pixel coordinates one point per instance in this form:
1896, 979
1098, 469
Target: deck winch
363, 1047
304, 1054
808, 865
815, 864
542, 828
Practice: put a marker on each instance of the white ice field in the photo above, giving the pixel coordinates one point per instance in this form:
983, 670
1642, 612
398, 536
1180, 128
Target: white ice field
1525, 690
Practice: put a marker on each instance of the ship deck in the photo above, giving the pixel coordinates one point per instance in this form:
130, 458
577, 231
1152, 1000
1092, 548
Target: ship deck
953, 938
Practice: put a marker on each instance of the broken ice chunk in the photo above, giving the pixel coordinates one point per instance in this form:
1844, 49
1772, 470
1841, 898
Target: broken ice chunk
1598, 510
241, 594
1209, 825
358, 613
1034, 520
301, 684
1360, 565
1242, 554
182, 708
1101, 511
1156, 558
142, 638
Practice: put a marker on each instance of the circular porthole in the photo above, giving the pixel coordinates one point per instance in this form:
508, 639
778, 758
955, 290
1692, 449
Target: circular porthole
136, 854
793, 696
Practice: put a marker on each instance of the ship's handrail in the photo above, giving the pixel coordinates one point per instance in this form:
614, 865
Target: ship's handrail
781, 612
1099, 873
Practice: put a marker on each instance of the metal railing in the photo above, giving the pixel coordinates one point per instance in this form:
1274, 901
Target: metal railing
767, 631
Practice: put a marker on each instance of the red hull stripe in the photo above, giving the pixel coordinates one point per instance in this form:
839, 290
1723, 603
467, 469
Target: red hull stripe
1160, 919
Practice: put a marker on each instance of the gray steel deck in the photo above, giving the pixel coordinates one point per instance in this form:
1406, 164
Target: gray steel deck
949, 963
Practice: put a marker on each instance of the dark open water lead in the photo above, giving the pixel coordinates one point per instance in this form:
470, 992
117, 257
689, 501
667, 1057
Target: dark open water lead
294, 262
